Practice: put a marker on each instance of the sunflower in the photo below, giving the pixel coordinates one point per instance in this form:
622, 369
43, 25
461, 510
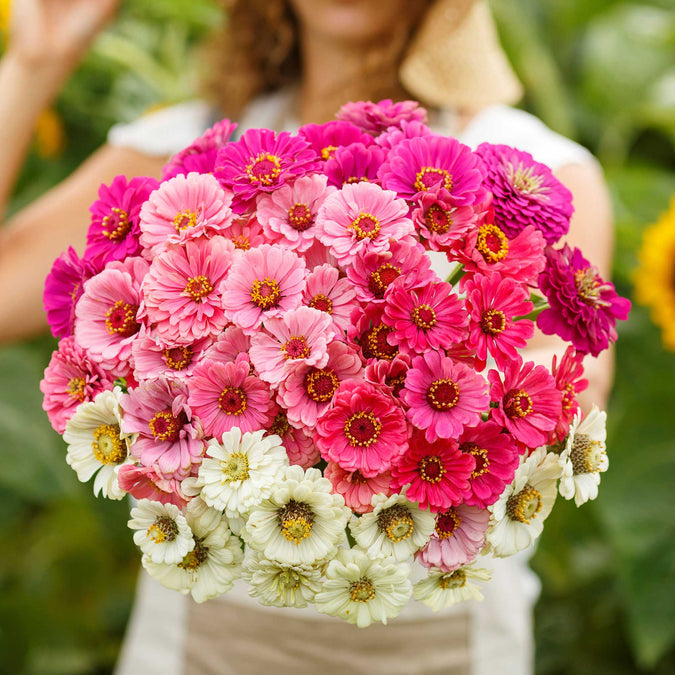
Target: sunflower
655, 277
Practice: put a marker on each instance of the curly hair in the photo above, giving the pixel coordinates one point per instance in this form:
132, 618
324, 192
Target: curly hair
258, 51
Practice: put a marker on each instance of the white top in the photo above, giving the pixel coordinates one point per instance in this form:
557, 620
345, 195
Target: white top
501, 630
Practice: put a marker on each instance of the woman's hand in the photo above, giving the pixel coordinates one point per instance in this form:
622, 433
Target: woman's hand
56, 33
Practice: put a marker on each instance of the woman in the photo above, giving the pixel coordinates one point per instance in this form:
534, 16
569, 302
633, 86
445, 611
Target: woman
307, 57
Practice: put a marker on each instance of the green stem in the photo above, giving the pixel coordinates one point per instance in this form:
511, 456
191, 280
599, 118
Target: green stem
456, 275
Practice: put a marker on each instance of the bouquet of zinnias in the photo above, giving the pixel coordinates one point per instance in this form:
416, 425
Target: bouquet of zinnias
260, 350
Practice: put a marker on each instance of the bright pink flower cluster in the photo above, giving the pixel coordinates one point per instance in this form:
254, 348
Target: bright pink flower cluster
283, 283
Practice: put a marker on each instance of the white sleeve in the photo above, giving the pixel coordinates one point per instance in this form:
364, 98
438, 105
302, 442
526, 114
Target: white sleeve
166, 131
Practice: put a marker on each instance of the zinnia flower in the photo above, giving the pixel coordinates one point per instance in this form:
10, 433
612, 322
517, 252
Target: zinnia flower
224, 395
114, 230
568, 380
444, 589
583, 308
144, 482
354, 163
529, 404
437, 474
525, 192
183, 208
153, 359
181, 292
430, 317
326, 138
375, 118
298, 443
365, 429
443, 396
356, 489
329, 293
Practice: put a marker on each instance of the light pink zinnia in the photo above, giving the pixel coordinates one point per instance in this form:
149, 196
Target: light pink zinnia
224, 395
181, 293
529, 404
264, 282
246, 233
354, 163
307, 391
106, 322
429, 317
365, 429
168, 435
374, 118
443, 396
184, 208
437, 473
356, 489
153, 359
230, 346
329, 293
493, 303
496, 456
389, 374
70, 379
288, 215
299, 336
405, 262
457, 539
360, 218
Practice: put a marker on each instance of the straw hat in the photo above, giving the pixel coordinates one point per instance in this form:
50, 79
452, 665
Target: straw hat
455, 59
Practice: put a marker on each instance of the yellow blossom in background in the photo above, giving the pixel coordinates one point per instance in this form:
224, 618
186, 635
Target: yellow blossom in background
655, 277
50, 137
5, 7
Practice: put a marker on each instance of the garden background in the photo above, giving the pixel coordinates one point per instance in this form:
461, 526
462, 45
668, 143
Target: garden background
599, 71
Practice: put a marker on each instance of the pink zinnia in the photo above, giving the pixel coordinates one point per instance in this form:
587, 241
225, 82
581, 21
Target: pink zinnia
439, 223
153, 359
374, 118
429, 317
408, 129
262, 161
169, 438
181, 293
425, 163
307, 391
114, 230
230, 346
144, 482
326, 138
70, 379
318, 254
224, 395
360, 218
288, 215
365, 429
356, 489
300, 336
389, 374
457, 539
525, 192
264, 282
298, 443
63, 288
443, 396
493, 304
437, 473
371, 273
569, 382
107, 324
487, 249
583, 307
200, 156
184, 208
329, 293
496, 456
354, 163
245, 233
529, 404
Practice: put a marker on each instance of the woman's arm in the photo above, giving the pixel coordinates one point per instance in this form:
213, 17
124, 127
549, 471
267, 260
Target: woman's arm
591, 230
31, 240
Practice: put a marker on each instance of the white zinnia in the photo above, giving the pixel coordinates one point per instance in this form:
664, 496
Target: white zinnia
584, 457
95, 443
210, 568
361, 590
395, 527
161, 531
518, 515
441, 589
282, 585
240, 472
300, 522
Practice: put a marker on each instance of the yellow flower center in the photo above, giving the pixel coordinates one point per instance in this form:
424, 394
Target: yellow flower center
431, 469
296, 520
362, 429
107, 445
492, 322
446, 523
76, 388
198, 288
492, 243
116, 224
453, 580
177, 358
427, 177
524, 505
232, 401
365, 225
196, 557
443, 395
264, 169
235, 467
163, 530
396, 523
296, 347
587, 455
517, 403
424, 317
121, 318
184, 219
321, 384
265, 293
361, 590
437, 219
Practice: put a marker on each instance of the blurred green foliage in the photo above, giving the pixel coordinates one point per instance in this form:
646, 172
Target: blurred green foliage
599, 71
